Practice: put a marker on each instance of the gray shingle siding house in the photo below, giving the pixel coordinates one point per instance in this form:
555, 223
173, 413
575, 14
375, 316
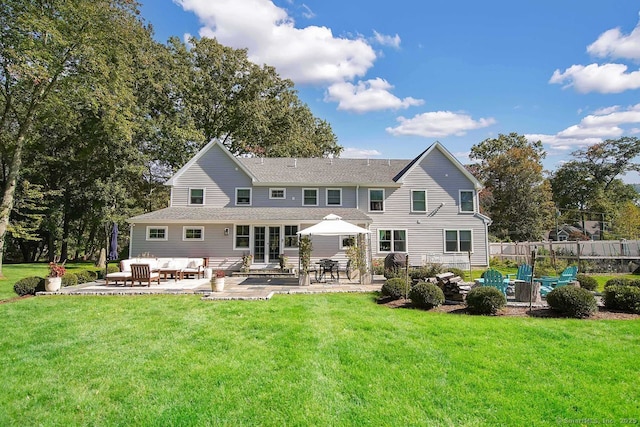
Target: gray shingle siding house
223, 207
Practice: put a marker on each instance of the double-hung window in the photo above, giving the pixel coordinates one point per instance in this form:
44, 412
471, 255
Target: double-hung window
376, 200
467, 203
290, 236
243, 196
277, 193
392, 240
457, 241
418, 201
241, 240
310, 196
196, 196
334, 197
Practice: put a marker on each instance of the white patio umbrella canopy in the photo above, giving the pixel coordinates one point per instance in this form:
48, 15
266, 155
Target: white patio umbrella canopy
333, 225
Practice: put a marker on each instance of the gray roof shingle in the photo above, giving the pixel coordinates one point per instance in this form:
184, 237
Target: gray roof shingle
236, 214
324, 171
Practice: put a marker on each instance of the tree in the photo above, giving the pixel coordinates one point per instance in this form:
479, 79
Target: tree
250, 108
519, 198
626, 222
607, 160
51, 44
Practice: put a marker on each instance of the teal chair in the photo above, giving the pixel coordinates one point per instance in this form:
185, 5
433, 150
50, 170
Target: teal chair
494, 278
547, 284
524, 274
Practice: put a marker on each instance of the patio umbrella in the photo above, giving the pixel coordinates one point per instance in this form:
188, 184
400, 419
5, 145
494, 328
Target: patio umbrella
113, 243
333, 225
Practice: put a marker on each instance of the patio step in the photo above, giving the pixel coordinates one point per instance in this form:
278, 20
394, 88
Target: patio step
263, 273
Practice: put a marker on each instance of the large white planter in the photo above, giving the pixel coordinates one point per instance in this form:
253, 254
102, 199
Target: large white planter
208, 273
218, 284
52, 284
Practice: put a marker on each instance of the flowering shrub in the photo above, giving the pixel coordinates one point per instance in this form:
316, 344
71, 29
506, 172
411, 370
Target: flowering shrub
219, 274
56, 270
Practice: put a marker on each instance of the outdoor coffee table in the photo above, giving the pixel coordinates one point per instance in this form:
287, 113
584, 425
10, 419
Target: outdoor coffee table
176, 273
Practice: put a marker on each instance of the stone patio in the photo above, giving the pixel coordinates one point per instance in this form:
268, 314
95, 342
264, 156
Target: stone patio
236, 288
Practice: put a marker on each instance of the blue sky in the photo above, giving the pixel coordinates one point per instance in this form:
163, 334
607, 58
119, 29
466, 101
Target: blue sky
393, 77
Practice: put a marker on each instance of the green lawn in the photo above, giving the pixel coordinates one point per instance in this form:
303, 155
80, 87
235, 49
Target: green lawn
328, 359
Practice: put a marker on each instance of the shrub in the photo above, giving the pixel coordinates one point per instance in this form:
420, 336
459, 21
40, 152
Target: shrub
426, 295
378, 266
572, 301
619, 281
69, 279
624, 298
29, 286
83, 276
395, 288
587, 282
485, 300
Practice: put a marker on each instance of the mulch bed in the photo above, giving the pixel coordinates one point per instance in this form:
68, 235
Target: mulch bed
460, 309
4, 301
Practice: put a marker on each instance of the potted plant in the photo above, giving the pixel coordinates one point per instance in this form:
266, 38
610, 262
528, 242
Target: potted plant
218, 281
54, 280
284, 262
246, 262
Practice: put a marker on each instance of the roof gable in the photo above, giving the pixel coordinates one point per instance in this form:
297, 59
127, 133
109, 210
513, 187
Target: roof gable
213, 143
437, 146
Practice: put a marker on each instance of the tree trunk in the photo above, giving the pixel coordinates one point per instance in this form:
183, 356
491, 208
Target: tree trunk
523, 291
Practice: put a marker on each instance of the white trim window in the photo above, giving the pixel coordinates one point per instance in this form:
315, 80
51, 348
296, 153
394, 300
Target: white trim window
241, 237
376, 200
467, 201
391, 240
347, 241
157, 232
193, 233
458, 241
290, 236
334, 196
196, 196
243, 196
309, 197
419, 201
277, 193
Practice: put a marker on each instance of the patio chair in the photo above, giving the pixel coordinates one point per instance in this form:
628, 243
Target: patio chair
524, 274
495, 279
142, 273
547, 284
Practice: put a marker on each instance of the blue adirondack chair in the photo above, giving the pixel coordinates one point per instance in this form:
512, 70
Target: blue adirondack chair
494, 278
547, 284
524, 273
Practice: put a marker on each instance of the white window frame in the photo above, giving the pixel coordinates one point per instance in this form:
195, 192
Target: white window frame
303, 198
473, 200
157, 227
369, 203
203, 196
444, 237
284, 193
393, 242
344, 237
192, 239
284, 237
327, 196
250, 196
425, 200
235, 238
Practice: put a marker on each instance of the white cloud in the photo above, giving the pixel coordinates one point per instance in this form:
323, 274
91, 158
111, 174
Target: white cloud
308, 13
614, 44
306, 55
359, 153
369, 95
439, 124
607, 78
604, 123
384, 40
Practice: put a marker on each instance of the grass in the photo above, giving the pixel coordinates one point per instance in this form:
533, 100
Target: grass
328, 359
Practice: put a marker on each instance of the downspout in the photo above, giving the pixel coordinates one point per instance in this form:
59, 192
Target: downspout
357, 197
131, 239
